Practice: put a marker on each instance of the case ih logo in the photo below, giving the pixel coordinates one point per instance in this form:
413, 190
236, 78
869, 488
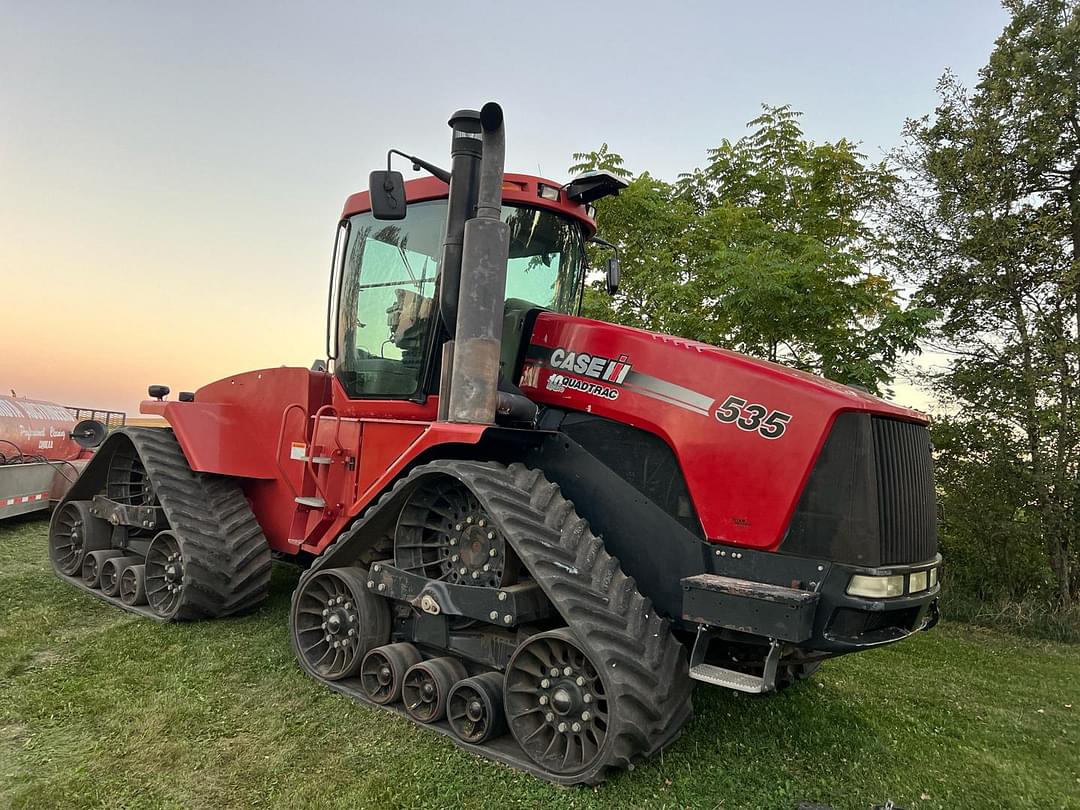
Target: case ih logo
591, 365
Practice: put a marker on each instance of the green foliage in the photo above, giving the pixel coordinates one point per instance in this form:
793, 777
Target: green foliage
768, 250
988, 226
600, 159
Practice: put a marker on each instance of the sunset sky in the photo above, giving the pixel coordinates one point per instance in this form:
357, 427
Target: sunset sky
171, 174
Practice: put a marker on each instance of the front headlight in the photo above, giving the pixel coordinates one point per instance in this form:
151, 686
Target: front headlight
918, 581
876, 587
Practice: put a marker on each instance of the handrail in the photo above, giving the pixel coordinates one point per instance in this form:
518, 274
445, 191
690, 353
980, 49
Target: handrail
281, 440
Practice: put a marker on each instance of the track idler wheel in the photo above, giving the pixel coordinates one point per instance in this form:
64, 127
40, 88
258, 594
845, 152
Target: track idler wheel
110, 573
383, 671
336, 620
164, 575
474, 708
133, 585
556, 703
427, 685
72, 533
93, 562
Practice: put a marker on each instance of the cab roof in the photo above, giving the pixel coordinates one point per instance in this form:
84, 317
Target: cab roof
520, 189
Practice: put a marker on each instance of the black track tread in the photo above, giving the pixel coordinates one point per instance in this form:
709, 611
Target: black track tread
226, 557
644, 664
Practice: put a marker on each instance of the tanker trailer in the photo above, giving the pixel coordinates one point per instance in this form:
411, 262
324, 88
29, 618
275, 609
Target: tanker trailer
43, 448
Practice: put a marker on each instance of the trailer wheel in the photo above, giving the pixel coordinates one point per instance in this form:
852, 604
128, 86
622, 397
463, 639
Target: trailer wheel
336, 620
72, 533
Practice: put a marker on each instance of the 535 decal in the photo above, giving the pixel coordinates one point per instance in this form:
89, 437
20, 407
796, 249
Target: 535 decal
736, 411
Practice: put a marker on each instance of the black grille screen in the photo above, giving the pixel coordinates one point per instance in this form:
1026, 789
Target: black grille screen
907, 511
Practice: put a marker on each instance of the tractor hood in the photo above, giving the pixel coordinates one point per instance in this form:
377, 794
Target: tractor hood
712, 406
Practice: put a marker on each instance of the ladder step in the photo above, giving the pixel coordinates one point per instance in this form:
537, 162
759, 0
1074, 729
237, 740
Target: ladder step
317, 459
314, 503
729, 678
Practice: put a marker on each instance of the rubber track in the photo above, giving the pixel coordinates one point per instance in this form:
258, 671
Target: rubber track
644, 665
226, 557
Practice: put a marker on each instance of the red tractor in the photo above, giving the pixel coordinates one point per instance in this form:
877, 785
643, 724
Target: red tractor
525, 529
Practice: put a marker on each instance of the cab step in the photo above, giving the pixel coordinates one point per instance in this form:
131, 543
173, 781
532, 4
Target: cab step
311, 502
730, 678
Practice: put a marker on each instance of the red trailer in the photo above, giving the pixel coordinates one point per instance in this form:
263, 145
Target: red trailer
43, 448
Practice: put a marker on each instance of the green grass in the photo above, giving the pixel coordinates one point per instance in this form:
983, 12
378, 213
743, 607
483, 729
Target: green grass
99, 708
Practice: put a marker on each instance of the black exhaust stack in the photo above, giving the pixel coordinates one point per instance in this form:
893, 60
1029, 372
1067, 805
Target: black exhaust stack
474, 375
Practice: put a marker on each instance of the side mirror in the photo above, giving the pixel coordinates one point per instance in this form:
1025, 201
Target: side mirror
612, 275
386, 190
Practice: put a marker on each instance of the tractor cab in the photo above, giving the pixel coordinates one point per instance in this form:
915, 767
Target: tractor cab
387, 328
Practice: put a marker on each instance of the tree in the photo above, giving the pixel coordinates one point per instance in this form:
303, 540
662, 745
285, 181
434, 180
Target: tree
989, 225
600, 159
766, 250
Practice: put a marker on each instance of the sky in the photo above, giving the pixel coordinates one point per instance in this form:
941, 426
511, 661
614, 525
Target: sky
171, 174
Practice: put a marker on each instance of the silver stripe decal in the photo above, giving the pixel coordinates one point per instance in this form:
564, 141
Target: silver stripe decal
668, 392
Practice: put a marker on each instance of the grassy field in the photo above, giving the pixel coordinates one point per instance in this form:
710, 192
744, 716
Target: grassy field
102, 709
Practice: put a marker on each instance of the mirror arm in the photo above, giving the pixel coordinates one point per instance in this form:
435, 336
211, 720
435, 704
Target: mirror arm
418, 164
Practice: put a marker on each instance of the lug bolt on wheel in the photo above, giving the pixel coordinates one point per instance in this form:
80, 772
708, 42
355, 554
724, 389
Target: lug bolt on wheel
580, 681
587, 698
576, 727
554, 672
493, 615
568, 671
562, 728
585, 716
544, 684
550, 717
543, 700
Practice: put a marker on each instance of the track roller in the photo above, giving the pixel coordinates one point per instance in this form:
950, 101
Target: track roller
427, 686
72, 533
474, 708
110, 573
383, 671
93, 561
133, 585
335, 622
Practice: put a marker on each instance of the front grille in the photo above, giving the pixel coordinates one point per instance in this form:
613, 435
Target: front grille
907, 511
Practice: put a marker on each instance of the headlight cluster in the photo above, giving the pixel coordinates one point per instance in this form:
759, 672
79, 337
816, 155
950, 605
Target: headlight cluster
883, 587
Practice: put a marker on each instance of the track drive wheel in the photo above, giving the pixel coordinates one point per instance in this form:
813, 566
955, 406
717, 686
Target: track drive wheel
427, 685
474, 708
335, 621
383, 671
72, 533
445, 534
